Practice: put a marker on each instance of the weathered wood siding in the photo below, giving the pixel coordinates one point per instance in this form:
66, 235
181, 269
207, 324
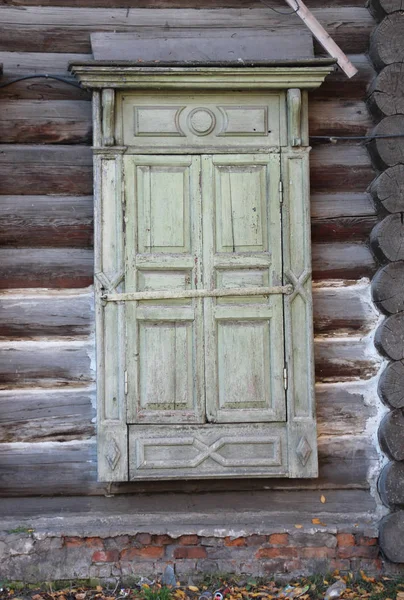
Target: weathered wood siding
47, 397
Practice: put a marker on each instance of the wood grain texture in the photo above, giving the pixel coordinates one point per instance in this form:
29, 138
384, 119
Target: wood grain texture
381, 8
217, 4
45, 267
388, 151
389, 338
342, 409
69, 468
45, 122
51, 364
38, 415
332, 164
342, 261
388, 189
46, 221
387, 92
342, 359
387, 238
388, 288
391, 385
386, 45
36, 315
60, 29
336, 116
390, 434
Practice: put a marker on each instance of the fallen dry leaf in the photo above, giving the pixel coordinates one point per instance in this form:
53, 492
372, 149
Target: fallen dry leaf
322, 500
299, 526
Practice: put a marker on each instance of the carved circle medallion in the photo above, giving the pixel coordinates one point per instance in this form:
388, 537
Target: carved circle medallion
201, 121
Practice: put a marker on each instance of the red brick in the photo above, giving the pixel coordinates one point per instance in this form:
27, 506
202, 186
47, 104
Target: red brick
317, 552
71, 542
144, 538
106, 557
188, 540
255, 540
94, 542
146, 552
366, 541
190, 552
162, 540
339, 565
358, 552
277, 553
240, 541
345, 540
279, 539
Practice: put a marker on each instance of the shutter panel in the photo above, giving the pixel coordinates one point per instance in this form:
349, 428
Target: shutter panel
163, 252
244, 348
302, 436
109, 254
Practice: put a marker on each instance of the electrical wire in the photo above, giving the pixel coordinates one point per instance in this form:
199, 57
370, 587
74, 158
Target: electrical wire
281, 12
42, 76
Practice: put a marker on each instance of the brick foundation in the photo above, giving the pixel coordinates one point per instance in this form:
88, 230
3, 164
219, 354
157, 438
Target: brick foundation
34, 557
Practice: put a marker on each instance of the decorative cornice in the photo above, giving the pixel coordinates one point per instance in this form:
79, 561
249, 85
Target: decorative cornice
307, 74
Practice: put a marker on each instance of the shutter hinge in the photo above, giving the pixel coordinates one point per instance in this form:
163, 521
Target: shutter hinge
126, 382
280, 191
285, 378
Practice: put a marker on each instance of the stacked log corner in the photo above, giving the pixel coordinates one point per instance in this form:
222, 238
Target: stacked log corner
386, 101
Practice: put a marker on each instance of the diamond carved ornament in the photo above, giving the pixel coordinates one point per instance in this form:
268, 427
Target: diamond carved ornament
303, 450
112, 454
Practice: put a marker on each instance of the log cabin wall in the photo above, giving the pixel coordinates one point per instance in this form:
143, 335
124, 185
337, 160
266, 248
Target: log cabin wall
47, 397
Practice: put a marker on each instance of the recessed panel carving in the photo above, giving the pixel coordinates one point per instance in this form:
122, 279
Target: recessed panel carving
207, 450
240, 194
244, 120
154, 121
163, 209
165, 368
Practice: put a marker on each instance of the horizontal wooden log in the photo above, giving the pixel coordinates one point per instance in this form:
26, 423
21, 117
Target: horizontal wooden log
344, 359
46, 221
342, 261
391, 434
381, 8
40, 415
45, 267
386, 42
343, 409
64, 314
388, 189
46, 170
73, 267
342, 309
62, 362
391, 385
65, 221
50, 364
389, 338
21, 64
46, 315
345, 204
388, 151
387, 238
336, 116
68, 169
351, 229
335, 85
387, 92
60, 29
69, 468
69, 122
388, 288
49, 122
335, 165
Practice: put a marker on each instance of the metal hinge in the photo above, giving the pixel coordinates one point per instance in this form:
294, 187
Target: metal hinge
285, 378
280, 191
126, 382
